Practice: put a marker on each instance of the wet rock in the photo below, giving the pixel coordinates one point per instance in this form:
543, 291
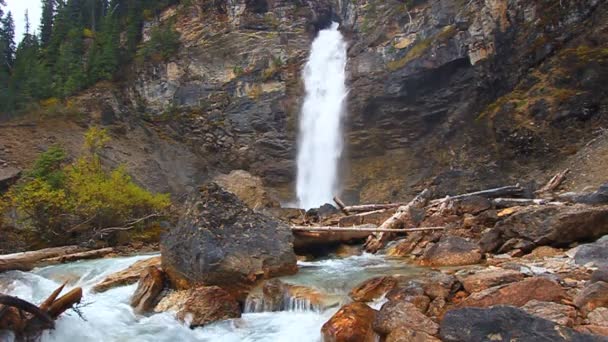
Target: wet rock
556, 226
409, 335
518, 293
599, 317
596, 253
592, 296
504, 323
248, 188
151, 284
558, 313
451, 251
403, 247
353, 322
127, 276
403, 315
200, 305
372, 288
220, 241
484, 279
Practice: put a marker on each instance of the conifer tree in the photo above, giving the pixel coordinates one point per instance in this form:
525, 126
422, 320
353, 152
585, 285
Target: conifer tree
46, 21
8, 38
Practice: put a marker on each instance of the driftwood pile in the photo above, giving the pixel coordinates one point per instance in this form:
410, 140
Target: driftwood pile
27, 321
406, 217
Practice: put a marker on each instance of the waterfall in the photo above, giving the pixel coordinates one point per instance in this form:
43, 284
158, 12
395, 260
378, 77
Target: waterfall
320, 135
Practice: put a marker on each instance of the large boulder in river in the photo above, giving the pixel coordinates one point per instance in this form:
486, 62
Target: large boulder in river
220, 241
547, 225
352, 323
200, 305
504, 323
397, 314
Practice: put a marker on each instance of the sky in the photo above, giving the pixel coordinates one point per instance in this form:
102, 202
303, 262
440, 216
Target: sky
18, 7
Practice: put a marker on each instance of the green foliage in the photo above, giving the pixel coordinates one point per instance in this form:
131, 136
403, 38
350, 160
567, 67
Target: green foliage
163, 43
48, 167
55, 201
80, 43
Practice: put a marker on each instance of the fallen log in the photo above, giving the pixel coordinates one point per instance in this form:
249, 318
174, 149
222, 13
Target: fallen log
378, 240
501, 203
511, 190
554, 182
27, 260
94, 254
372, 207
355, 229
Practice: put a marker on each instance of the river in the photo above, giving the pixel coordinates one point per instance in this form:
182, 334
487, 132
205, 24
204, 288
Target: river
109, 317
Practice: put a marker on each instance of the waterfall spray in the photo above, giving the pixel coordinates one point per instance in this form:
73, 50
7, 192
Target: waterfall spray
320, 135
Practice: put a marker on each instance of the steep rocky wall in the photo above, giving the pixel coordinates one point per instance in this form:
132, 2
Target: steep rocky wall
452, 94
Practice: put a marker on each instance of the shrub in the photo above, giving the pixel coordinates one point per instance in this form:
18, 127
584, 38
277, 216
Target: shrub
58, 202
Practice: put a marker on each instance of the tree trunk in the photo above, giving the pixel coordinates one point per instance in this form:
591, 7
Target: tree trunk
28, 260
505, 191
378, 240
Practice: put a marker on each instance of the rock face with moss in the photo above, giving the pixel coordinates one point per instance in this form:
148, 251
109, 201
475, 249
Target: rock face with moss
449, 94
220, 241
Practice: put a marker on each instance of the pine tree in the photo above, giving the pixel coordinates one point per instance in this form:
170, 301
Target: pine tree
8, 38
46, 22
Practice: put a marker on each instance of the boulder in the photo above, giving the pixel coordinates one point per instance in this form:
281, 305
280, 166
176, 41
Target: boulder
128, 276
353, 322
592, 296
451, 251
517, 294
220, 241
436, 308
372, 289
504, 323
200, 305
409, 335
248, 188
403, 315
8, 176
556, 226
596, 253
558, 313
151, 284
489, 278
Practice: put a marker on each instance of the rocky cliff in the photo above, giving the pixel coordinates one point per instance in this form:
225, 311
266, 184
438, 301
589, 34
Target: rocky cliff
452, 94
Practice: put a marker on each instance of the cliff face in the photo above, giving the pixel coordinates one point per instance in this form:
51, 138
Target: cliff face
453, 94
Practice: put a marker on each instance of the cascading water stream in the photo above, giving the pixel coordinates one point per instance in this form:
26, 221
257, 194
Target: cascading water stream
320, 135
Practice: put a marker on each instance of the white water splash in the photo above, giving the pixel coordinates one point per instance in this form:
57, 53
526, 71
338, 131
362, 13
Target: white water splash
320, 136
